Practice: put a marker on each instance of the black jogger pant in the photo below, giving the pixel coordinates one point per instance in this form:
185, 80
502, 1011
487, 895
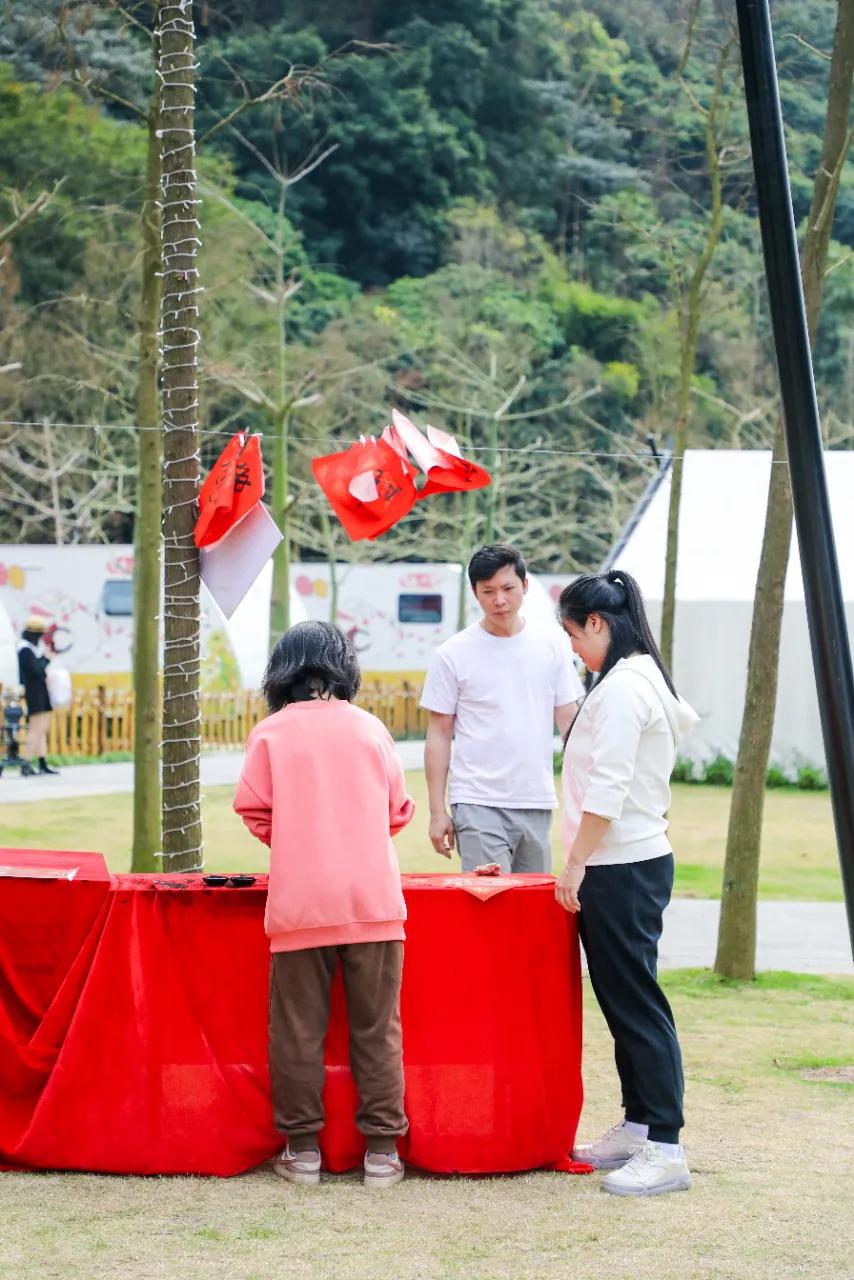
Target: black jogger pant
620, 925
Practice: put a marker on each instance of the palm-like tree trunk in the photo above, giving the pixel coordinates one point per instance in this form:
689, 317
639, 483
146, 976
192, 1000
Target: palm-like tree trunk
149, 510
182, 825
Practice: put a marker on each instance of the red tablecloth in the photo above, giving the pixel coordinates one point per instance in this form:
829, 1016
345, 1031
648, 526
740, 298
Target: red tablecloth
133, 1028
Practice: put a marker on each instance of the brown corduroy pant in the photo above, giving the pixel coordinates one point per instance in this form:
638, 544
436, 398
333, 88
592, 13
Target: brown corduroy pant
300, 990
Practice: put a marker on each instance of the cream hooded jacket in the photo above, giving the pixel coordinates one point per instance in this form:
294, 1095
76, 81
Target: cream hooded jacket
618, 761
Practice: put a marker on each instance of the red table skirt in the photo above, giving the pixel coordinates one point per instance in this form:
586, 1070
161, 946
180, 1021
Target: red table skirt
133, 1028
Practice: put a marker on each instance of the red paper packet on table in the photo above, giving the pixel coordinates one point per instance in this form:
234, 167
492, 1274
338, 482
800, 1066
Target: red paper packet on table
369, 486
233, 487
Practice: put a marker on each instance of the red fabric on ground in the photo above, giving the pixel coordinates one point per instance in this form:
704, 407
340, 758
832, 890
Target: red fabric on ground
148, 1053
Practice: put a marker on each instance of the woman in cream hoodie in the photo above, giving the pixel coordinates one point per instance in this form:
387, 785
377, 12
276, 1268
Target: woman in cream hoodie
617, 764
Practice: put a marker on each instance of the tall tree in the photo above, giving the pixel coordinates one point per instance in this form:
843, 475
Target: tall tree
182, 819
736, 951
147, 805
691, 309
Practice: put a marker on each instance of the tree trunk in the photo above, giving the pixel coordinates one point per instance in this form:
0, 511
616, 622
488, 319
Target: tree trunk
490, 493
332, 561
182, 824
56, 505
280, 600
737, 929
736, 952
680, 439
690, 328
146, 558
468, 505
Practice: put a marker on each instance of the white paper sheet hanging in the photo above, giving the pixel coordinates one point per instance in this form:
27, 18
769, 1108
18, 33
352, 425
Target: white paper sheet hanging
230, 567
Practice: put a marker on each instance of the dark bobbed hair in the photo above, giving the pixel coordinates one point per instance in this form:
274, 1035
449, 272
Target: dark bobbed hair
617, 598
311, 659
486, 562
32, 637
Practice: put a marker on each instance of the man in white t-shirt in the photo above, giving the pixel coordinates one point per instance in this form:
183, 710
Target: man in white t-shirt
495, 692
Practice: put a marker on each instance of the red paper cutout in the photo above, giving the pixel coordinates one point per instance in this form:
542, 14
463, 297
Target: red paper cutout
438, 455
352, 478
371, 485
233, 487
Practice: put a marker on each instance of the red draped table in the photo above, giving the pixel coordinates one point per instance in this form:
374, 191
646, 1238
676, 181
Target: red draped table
133, 1025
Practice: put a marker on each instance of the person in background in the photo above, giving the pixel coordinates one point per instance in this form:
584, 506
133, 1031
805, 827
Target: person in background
618, 758
323, 786
34, 655
495, 691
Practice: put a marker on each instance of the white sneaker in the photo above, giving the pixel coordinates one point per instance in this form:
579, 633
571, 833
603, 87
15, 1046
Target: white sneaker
612, 1151
299, 1167
383, 1169
649, 1173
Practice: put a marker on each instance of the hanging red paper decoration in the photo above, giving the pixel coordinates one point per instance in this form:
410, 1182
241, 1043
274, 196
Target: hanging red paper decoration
233, 487
372, 485
438, 455
369, 486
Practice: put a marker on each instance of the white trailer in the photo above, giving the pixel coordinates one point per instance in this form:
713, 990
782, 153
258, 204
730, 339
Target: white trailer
397, 614
87, 592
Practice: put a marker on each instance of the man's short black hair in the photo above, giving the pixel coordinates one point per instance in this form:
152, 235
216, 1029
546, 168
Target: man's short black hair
311, 658
485, 563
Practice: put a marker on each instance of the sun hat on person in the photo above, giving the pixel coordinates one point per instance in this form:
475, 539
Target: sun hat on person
35, 623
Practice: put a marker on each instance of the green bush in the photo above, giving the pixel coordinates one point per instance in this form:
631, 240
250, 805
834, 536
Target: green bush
811, 779
775, 777
683, 771
719, 772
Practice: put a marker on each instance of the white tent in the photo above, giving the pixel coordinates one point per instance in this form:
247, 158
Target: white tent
722, 517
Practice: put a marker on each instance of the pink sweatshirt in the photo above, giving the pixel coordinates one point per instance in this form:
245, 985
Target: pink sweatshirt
323, 786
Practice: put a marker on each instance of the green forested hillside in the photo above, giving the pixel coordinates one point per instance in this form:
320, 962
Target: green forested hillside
488, 213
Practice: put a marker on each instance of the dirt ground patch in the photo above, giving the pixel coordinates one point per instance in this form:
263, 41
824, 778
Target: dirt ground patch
841, 1075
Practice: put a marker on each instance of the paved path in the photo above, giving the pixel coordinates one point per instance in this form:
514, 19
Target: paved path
806, 937
219, 768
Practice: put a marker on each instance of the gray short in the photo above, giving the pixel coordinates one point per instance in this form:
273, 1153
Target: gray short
517, 839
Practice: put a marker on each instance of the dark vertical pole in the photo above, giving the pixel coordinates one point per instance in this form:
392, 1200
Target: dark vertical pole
831, 651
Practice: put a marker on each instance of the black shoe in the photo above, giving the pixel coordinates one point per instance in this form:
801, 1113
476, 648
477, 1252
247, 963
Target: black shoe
44, 767
27, 770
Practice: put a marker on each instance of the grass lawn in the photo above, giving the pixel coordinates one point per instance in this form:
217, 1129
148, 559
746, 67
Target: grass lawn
799, 859
772, 1154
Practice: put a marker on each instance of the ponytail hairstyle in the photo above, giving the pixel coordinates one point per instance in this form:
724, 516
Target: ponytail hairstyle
617, 598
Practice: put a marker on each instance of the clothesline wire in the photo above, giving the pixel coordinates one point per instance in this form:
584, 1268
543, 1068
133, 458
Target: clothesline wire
636, 455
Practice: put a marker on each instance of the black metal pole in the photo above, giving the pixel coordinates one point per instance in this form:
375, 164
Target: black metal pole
831, 651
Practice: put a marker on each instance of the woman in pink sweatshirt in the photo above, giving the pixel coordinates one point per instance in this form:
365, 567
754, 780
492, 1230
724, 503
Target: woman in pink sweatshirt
323, 786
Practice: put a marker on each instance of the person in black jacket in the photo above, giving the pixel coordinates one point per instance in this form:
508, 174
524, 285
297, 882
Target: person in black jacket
34, 654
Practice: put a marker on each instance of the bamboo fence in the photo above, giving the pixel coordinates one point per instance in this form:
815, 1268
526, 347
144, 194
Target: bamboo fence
100, 721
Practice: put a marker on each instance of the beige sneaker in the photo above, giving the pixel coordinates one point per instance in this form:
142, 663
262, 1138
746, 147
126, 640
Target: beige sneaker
300, 1167
649, 1173
614, 1149
383, 1169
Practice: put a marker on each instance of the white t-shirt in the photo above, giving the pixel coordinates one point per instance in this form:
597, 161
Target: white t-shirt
503, 691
